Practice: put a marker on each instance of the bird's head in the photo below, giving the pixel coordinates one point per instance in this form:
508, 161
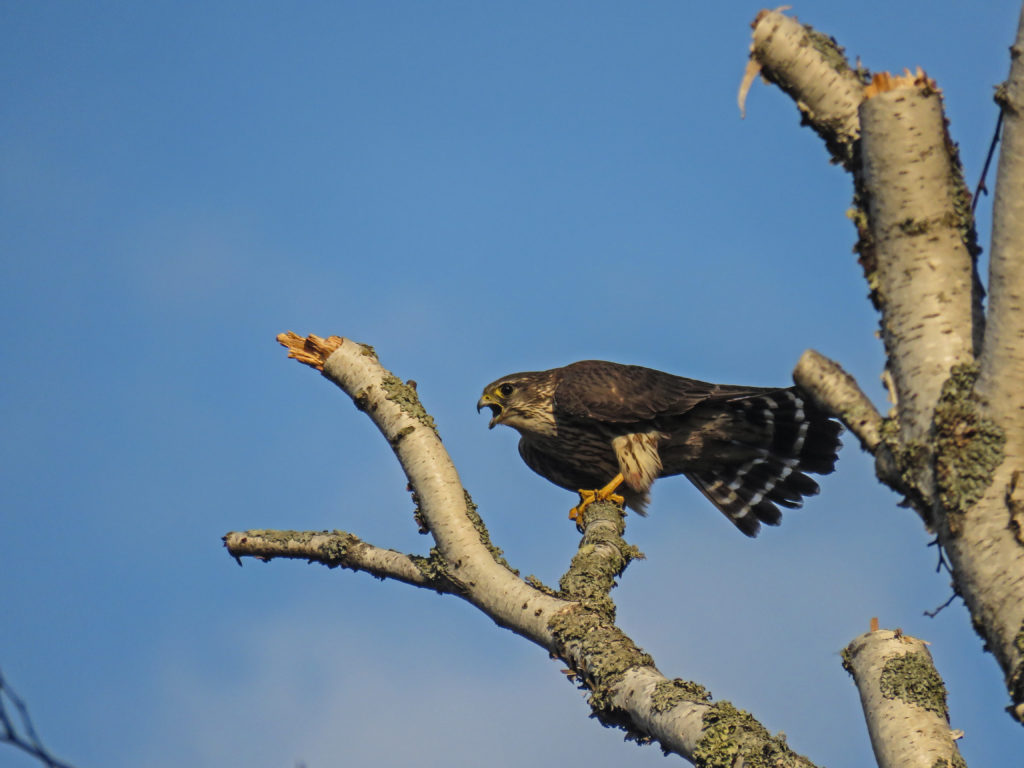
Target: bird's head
522, 401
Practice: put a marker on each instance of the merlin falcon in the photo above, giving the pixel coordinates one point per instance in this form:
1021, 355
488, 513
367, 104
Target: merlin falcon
617, 428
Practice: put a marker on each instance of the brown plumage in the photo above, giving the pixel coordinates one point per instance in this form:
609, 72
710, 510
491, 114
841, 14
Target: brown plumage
746, 448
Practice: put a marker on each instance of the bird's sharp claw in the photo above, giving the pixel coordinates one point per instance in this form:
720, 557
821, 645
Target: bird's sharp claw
604, 494
586, 499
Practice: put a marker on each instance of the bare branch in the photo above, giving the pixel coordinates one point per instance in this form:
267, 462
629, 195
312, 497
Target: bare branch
338, 548
626, 688
812, 69
904, 700
17, 730
443, 505
1002, 362
838, 393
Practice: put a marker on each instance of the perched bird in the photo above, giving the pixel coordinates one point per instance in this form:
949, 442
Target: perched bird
608, 427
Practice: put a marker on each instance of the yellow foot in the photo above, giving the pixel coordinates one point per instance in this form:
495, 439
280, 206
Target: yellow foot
603, 494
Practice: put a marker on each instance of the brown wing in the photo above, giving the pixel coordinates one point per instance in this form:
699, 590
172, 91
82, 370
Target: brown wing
612, 392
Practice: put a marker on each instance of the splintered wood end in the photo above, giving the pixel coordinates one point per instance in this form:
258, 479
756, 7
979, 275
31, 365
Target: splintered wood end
883, 82
312, 350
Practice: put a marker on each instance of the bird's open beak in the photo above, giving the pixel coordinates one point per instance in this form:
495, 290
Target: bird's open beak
496, 409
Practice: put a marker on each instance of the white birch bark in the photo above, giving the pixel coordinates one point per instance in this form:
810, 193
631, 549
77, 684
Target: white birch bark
990, 540
925, 272
810, 67
904, 701
955, 448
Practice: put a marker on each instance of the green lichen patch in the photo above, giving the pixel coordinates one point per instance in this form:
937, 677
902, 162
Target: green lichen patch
336, 548
366, 349
865, 247
405, 397
540, 586
913, 459
912, 678
733, 737
600, 559
586, 634
401, 435
436, 572
485, 536
955, 762
835, 132
846, 655
829, 49
669, 693
960, 193
913, 463
969, 445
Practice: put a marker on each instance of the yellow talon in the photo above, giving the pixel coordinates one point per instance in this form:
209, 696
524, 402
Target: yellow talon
604, 494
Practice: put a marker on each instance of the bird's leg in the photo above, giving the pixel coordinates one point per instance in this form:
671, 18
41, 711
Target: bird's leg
602, 494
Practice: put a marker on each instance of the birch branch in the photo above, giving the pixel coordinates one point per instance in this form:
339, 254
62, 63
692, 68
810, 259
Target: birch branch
1002, 362
576, 624
957, 450
444, 507
837, 393
986, 520
916, 208
812, 69
338, 548
904, 701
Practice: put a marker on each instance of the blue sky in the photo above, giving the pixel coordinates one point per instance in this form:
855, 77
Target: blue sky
474, 188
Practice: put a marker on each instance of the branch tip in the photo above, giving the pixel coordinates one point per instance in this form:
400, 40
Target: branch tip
883, 82
312, 350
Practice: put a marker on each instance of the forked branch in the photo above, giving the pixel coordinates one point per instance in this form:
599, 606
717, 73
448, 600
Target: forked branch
576, 623
952, 448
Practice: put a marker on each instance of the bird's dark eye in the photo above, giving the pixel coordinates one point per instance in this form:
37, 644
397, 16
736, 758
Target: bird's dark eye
506, 390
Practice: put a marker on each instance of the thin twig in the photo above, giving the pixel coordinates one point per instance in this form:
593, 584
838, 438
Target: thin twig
937, 611
22, 734
988, 161
942, 563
